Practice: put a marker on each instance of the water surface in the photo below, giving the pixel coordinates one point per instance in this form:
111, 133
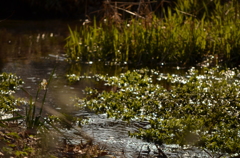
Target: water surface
33, 49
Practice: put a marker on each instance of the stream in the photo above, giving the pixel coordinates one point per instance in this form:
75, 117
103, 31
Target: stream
33, 49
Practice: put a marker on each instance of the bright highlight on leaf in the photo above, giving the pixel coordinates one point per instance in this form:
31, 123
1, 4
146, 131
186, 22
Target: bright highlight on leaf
199, 109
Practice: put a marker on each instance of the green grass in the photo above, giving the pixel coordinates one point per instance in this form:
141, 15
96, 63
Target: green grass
180, 37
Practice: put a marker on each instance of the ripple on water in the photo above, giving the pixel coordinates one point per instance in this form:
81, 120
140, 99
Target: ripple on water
114, 135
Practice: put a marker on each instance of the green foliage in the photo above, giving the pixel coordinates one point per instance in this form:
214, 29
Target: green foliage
33, 117
13, 135
21, 153
25, 143
35, 120
183, 36
13, 144
197, 8
9, 83
200, 109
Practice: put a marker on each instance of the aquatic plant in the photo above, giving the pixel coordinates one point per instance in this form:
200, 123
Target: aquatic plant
200, 109
9, 104
9, 83
35, 120
34, 117
34, 131
179, 37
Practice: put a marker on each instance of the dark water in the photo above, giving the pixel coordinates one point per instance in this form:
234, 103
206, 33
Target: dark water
33, 49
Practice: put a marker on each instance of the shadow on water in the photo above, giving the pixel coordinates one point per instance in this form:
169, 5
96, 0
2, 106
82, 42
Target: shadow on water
32, 49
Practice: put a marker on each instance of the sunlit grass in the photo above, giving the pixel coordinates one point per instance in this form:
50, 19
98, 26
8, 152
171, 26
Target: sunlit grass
179, 38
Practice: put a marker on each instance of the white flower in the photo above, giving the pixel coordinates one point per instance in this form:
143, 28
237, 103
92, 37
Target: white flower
44, 84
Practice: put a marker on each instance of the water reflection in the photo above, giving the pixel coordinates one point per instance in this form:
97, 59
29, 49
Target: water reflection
30, 40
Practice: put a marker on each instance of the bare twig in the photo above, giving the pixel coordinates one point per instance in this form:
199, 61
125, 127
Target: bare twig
132, 3
186, 13
220, 155
139, 5
8, 17
135, 14
139, 155
160, 152
208, 153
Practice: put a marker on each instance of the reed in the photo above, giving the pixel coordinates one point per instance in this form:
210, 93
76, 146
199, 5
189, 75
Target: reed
181, 37
33, 118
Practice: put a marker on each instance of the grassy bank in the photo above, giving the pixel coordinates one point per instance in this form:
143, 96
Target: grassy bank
180, 37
